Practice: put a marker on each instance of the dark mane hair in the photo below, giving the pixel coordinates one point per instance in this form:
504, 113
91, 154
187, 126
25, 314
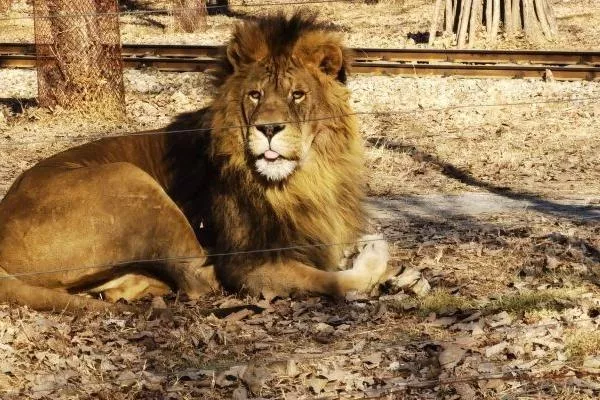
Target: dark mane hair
278, 32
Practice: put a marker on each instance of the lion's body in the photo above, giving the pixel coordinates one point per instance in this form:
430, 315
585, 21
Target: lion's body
171, 197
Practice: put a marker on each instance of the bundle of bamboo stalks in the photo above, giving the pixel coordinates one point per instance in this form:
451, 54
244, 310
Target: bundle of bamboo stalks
465, 17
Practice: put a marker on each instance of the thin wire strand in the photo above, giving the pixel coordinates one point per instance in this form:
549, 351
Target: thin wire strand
525, 374
357, 113
169, 11
286, 357
182, 258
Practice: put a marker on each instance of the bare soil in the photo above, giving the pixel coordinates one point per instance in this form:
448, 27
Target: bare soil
389, 23
491, 210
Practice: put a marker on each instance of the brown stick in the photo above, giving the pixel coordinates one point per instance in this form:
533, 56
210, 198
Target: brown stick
529, 23
488, 17
449, 21
508, 22
466, 11
495, 20
433, 26
541, 16
475, 20
516, 15
551, 18
460, 16
456, 9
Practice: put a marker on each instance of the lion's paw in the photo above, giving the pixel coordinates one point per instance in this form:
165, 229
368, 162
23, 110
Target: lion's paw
371, 262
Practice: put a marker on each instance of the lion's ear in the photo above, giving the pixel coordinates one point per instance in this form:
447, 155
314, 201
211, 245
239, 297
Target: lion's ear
328, 56
246, 47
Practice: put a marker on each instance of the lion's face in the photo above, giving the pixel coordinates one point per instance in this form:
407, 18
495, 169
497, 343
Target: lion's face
276, 110
282, 92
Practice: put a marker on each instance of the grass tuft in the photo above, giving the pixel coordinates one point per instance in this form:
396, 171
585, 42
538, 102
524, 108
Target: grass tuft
582, 343
532, 300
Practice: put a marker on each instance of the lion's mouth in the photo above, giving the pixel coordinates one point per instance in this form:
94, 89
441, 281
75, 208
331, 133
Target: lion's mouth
271, 155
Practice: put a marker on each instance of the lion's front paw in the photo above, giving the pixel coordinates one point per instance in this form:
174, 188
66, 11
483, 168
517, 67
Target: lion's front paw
370, 264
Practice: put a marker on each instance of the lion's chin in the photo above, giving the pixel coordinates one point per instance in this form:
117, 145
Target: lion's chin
276, 170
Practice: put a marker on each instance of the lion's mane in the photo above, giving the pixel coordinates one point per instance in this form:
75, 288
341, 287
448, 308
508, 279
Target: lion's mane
320, 203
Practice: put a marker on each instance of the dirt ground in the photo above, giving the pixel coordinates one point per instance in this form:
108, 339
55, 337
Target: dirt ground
487, 190
389, 23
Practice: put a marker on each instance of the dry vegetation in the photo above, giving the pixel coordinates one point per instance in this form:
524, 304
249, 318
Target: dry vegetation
389, 23
514, 305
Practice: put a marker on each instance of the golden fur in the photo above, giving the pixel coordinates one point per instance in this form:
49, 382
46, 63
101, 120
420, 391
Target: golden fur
262, 168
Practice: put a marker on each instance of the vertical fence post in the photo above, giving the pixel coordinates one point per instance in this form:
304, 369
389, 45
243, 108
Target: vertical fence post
189, 15
78, 49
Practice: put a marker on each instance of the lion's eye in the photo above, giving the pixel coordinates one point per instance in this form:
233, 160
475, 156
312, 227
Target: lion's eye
254, 95
298, 95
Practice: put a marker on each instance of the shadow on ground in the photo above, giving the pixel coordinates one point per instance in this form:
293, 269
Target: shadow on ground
504, 198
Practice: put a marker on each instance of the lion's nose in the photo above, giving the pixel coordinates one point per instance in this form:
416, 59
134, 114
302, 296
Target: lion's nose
270, 130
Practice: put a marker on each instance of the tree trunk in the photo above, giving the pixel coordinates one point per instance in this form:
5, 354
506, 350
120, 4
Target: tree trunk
464, 17
475, 20
449, 20
464, 23
508, 22
5, 6
190, 15
434, 21
79, 54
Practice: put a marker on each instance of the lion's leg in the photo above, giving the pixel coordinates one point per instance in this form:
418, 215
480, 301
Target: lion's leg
291, 277
57, 223
13, 291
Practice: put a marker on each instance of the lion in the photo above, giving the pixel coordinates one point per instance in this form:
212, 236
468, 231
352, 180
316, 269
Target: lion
257, 193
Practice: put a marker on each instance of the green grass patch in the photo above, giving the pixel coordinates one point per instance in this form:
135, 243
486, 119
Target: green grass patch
532, 300
441, 302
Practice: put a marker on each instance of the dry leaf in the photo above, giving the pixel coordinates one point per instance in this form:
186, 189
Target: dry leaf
322, 327
421, 288
374, 359
239, 393
451, 355
465, 391
254, 377
316, 384
592, 362
496, 349
407, 278
127, 378
158, 303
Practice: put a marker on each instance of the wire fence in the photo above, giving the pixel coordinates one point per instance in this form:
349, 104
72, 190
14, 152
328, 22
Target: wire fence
516, 371
509, 373
518, 374
529, 375
184, 258
95, 136
168, 11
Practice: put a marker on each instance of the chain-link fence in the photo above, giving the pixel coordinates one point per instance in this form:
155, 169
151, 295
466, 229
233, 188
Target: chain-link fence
78, 49
5, 6
189, 15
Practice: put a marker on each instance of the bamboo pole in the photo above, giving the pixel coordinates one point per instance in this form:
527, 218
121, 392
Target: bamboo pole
449, 17
495, 19
466, 12
475, 20
516, 15
434, 21
508, 23
488, 17
541, 16
551, 18
529, 22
